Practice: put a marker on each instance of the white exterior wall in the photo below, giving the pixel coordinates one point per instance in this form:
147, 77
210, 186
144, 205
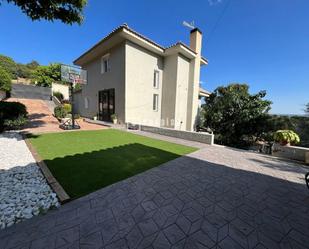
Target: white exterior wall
183, 68
64, 89
169, 91
140, 65
96, 81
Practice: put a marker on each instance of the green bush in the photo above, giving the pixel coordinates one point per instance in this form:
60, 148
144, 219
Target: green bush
5, 80
58, 95
11, 111
46, 75
9, 65
286, 137
15, 124
60, 112
67, 108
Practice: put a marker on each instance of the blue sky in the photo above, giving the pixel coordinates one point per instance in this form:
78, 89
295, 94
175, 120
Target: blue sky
264, 43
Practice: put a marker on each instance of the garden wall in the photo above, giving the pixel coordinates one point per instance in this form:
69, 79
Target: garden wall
291, 152
64, 89
202, 137
30, 92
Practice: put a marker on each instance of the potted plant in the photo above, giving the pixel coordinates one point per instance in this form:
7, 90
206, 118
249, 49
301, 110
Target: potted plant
114, 118
286, 137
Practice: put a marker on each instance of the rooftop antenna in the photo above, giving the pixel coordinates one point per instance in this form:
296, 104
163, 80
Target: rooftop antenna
190, 25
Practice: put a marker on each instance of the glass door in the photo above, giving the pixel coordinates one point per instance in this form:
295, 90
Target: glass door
106, 104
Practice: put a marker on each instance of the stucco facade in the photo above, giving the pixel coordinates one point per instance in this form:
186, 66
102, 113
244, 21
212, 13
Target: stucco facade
151, 85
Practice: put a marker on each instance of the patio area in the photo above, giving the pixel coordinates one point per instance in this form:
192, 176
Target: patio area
216, 197
41, 119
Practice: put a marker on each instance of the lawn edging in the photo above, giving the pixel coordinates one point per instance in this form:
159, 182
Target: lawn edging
51, 180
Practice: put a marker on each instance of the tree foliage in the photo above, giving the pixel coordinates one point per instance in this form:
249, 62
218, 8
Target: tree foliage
46, 75
32, 65
9, 65
17, 69
233, 113
5, 80
67, 11
26, 70
307, 109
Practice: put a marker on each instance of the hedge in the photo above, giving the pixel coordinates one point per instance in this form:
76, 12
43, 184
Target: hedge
13, 115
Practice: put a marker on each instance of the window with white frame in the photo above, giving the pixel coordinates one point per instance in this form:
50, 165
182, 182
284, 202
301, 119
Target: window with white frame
156, 78
155, 103
86, 102
105, 64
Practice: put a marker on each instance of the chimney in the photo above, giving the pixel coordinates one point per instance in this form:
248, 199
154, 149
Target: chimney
196, 40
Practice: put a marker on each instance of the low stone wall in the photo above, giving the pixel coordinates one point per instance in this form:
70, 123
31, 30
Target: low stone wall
202, 137
291, 152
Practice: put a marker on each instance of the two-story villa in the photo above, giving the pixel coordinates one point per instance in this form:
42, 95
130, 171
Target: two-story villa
141, 81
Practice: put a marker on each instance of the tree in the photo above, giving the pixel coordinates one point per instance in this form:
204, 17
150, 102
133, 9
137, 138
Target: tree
307, 109
5, 80
23, 71
9, 65
67, 11
26, 70
234, 114
32, 65
46, 75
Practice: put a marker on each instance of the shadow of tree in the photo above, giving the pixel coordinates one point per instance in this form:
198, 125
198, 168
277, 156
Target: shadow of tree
36, 116
281, 164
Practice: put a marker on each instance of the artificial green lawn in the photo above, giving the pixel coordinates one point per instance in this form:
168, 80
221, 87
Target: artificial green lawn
84, 161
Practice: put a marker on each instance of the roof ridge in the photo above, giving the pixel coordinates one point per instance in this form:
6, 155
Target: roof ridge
126, 26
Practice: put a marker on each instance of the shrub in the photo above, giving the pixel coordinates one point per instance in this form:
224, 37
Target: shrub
77, 87
60, 112
58, 95
286, 136
114, 116
67, 108
5, 80
65, 101
46, 75
11, 111
15, 124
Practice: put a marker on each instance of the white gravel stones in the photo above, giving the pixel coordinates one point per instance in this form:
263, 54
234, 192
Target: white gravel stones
24, 191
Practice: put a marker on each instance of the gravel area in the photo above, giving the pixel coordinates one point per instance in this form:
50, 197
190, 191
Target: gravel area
24, 191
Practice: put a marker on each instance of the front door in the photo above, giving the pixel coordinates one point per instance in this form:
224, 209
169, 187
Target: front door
106, 104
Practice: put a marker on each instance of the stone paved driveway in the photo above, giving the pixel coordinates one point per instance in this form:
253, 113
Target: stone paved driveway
214, 198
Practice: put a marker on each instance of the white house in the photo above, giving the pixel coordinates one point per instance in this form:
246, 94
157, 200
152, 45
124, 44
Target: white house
141, 81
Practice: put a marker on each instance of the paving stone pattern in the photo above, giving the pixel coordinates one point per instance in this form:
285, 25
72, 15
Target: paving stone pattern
214, 198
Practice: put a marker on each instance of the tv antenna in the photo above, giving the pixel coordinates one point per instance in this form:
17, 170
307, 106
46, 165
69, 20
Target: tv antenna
190, 25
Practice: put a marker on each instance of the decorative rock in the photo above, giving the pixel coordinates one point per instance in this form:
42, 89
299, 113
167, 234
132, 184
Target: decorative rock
23, 189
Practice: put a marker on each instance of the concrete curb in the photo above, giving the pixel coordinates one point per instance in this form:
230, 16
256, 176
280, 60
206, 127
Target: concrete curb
51, 180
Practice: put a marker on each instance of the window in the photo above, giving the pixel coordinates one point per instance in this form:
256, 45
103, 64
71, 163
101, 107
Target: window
105, 65
155, 103
156, 79
86, 103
